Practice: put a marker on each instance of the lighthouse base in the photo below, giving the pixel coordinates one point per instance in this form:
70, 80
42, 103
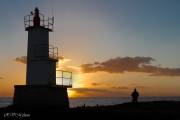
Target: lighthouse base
37, 96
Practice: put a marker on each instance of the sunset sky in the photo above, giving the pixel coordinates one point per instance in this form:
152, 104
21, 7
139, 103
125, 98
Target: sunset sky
111, 46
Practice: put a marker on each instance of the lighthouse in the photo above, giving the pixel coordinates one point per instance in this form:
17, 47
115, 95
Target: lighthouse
41, 88
41, 67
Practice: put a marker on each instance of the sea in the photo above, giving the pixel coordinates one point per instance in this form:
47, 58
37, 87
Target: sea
77, 102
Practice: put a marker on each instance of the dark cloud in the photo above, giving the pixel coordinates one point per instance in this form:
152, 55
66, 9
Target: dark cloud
127, 88
61, 57
121, 87
86, 90
95, 84
160, 71
117, 65
130, 64
22, 59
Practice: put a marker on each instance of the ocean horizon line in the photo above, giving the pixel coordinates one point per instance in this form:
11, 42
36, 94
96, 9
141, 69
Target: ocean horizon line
87, 101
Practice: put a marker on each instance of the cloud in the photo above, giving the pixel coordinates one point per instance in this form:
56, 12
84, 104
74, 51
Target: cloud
159, 71
95, 84
61, 57
1, 77
130, 64
92, 92
73, 69
88, 90
117, 65
121, 87
22, 59
126, 88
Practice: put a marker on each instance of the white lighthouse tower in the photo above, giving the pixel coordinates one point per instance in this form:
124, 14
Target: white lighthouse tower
41, 65
41, 88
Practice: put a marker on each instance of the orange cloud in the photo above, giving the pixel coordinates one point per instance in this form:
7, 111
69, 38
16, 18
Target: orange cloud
92, 92
130, 64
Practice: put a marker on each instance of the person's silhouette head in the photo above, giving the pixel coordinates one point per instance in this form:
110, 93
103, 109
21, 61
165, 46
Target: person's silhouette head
135, 90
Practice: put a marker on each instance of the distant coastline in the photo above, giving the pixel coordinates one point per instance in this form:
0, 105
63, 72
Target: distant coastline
87, 101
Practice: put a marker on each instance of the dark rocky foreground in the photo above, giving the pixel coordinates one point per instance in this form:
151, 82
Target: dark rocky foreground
158, 110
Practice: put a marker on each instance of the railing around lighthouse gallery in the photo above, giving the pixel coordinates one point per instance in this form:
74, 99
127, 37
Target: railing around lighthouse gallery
53, 52
41, 52
46, 23
64, 78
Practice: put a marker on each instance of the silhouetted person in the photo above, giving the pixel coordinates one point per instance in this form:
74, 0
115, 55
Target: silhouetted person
135, 96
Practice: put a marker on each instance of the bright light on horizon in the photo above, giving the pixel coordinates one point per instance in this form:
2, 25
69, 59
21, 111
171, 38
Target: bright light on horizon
76, 75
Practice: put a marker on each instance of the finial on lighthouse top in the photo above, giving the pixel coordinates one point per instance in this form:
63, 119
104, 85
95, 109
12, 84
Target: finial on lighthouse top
37, 19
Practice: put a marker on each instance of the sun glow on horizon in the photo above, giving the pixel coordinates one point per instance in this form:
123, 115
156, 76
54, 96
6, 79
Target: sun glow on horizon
71, 93
76, 75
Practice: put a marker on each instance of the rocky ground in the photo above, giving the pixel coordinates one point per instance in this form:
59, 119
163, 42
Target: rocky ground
157, 110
